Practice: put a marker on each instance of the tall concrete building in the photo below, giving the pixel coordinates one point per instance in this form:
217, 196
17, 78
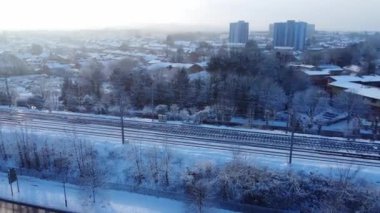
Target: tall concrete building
290, 34
310, 30
279, 34
239, 32
271, 30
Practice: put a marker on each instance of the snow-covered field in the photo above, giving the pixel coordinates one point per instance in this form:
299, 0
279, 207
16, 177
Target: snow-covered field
50, 194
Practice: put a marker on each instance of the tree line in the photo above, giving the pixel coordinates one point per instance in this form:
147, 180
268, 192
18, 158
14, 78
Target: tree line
247, 83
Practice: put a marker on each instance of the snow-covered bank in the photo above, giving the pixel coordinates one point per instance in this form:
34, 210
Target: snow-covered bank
50, 194
188, 156
153, 164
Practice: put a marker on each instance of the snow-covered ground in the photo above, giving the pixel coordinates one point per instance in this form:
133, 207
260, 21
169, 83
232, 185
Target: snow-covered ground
189, 156
50, 194
118, 158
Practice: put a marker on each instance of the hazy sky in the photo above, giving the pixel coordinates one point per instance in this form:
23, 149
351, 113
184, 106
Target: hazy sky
76, 14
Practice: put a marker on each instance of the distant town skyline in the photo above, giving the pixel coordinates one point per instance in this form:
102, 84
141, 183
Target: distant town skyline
333, 15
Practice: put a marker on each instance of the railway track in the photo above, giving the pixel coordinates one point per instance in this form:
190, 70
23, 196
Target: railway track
216, 133
252, 143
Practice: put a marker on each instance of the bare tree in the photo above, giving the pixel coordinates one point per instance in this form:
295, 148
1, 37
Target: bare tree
62, 166
93, 72
375, 126
341, 188
310, 102
352, 105
138, 164
346, 175
79, 150
8, 93
122, 108
23, 147
11, 65
3, 151
49, 93
269, 96
153, 160
93, 174
198, 184
14, 97
166, 160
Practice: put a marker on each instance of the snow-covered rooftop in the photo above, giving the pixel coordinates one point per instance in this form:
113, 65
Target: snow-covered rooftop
317, 72
351, 84
354, 78
303, 66
353, 68
330, 67
359, 89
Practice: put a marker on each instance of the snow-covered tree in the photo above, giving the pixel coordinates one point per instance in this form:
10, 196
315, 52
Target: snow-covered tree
181, 87
138, 164
198, 184
93, 175
310, 102
354, 106
165, 164
350, 103
269, 96
92, 71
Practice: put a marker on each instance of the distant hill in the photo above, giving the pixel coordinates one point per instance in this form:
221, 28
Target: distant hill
11, 65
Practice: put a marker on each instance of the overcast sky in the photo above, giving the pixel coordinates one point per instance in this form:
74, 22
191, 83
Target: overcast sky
347, 15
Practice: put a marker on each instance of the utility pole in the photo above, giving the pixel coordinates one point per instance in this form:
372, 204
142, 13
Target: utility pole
64, 169
122, 118
292, 127
64, 192
375, 127
152, 103
9, 98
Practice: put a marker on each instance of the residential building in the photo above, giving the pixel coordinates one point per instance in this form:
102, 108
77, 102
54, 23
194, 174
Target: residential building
367, 87
290, 34
320, 75
239, 32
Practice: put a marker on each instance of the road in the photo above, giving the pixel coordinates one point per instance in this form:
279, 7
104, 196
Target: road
227, 139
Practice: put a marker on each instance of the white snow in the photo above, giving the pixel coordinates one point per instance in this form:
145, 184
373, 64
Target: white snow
192, 155
317, 72
119, 201
351, 84
163, 65
50, 194
203, 75
354, 78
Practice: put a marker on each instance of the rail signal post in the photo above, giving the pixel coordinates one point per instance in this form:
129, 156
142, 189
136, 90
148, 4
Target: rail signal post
12, 177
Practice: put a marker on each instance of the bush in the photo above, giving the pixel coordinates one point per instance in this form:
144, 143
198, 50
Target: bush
36, 101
